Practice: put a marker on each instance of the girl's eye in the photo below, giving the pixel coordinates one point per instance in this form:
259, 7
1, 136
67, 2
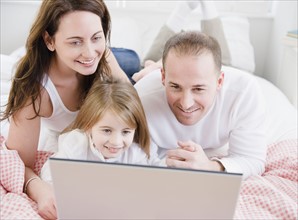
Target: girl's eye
126, 132
107, 131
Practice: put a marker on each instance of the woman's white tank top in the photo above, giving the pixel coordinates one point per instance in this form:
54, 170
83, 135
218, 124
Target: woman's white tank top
58, 121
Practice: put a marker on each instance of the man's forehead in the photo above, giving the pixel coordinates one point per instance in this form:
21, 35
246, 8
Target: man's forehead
194, 82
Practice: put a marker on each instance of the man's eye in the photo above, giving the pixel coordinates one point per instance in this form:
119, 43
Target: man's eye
174, 86
199, 89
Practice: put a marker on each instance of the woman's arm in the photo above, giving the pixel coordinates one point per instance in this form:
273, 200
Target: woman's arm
149, 67
23, 136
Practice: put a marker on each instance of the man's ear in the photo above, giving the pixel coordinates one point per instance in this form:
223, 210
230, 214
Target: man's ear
162, 75
48, 40
220, 80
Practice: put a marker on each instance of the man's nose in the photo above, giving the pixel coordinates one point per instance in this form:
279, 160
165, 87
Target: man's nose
187, 100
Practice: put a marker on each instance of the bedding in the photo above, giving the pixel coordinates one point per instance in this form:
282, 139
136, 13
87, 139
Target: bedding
270, 196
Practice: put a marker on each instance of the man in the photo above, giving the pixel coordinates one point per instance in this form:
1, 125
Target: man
197, 108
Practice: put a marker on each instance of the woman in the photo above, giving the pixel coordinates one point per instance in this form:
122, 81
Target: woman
67, 50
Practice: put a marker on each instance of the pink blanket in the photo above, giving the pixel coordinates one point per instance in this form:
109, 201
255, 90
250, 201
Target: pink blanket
270, 196
15, 204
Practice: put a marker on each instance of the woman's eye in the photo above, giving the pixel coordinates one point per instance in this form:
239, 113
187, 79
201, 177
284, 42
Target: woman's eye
97, 38
76, 43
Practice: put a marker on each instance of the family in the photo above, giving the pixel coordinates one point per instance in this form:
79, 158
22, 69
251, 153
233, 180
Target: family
71, 83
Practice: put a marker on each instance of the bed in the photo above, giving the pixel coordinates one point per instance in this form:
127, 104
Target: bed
272, 195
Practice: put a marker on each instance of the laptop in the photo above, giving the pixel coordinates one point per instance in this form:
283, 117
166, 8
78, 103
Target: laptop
97, 190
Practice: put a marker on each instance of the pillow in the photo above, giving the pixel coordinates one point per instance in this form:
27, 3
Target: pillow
7, 66
232, 33
18, 53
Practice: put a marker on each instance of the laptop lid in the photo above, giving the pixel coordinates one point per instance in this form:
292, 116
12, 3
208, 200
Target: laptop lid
96, 190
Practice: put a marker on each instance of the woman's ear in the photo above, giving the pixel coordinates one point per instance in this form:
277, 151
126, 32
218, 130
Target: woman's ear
48, 40
220, 80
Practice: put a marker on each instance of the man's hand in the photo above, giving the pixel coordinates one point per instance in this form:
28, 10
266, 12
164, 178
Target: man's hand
192, 156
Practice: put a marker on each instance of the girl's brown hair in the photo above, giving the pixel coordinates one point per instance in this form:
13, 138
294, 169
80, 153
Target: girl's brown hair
122, 99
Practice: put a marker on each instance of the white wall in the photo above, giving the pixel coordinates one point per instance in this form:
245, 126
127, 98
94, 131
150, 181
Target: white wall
16, 19
285, 18
267, 26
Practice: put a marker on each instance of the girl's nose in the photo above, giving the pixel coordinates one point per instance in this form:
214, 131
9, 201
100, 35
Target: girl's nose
116, 139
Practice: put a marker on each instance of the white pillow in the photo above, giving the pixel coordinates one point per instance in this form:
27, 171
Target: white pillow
18, 53
7, 69
236, 30
232, 33
8, 64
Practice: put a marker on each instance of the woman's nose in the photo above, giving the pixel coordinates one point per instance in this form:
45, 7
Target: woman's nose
88, 51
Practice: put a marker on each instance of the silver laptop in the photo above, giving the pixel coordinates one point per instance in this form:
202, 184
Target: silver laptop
95, 190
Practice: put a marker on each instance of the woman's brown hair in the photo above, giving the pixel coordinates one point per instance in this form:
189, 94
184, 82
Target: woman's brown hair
26, 84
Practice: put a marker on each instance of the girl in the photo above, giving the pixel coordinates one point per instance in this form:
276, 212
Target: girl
66, 50
111, 126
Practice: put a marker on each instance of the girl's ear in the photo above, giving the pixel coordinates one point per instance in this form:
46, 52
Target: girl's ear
88, 131
220, 80
48, 40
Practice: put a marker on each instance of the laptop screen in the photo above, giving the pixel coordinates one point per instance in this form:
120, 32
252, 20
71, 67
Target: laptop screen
97, 190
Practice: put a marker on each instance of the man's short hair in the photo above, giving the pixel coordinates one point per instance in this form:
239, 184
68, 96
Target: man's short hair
193, 43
